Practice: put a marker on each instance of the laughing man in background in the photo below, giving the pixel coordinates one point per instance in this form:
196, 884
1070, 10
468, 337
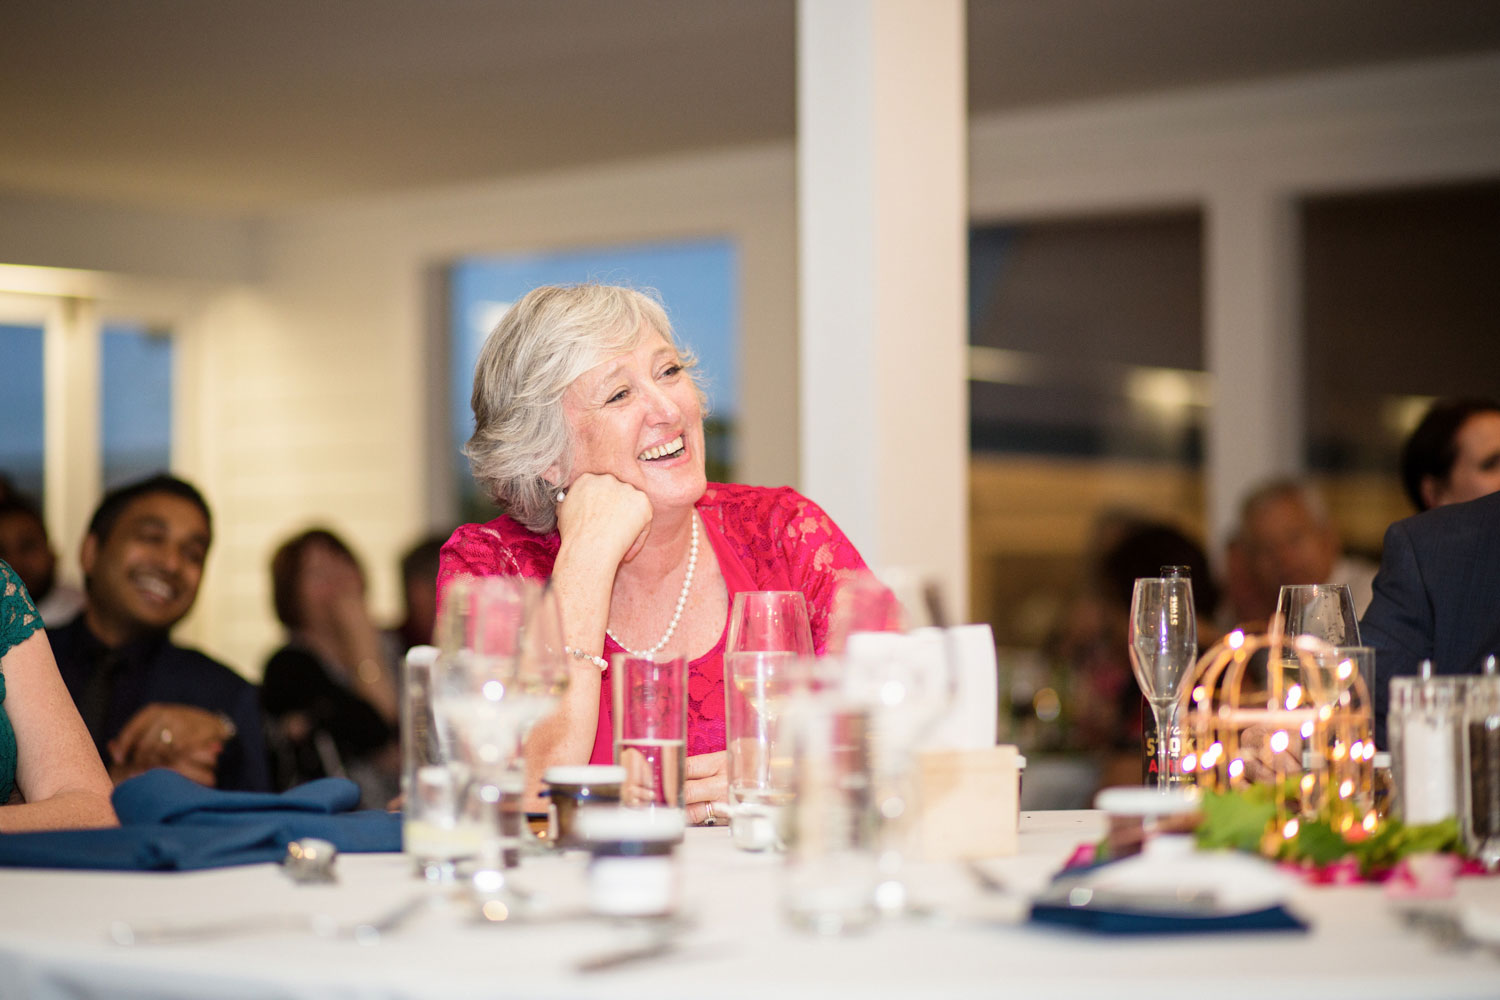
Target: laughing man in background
146, 701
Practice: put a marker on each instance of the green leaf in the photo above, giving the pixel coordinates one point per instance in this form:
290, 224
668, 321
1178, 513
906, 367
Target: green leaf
1320, 843
1236, 821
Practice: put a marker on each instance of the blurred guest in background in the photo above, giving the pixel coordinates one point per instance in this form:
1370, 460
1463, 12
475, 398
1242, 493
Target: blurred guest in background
24, 544
147, 702
330, 692
1287, 538
1437, 596
51, 778
1454, 453
419, 572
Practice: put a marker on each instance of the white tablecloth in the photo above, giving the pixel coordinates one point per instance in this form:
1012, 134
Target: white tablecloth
54, 940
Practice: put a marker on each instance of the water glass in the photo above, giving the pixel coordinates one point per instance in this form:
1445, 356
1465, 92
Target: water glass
650, 722
758, 685
833, 847
437, 831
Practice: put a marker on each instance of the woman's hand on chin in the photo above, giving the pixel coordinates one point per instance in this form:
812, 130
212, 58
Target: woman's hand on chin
610, 519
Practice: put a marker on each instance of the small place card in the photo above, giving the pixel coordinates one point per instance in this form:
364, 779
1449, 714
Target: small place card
970, 803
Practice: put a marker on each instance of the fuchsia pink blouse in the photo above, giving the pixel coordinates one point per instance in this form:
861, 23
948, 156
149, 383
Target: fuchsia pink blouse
765, 539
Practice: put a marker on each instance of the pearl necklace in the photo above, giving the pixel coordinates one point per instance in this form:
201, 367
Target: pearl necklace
687, 585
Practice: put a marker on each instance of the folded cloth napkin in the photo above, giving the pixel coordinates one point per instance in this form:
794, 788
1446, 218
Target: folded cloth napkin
171, 823
1118, 921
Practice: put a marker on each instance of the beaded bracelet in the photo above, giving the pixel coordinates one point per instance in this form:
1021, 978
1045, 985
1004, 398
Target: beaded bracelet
597, 661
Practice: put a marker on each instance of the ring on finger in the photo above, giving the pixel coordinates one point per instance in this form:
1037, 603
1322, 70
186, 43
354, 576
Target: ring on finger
710, 819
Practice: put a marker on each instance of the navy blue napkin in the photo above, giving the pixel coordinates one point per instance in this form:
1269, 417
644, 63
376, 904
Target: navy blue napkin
170, 823
1117, 921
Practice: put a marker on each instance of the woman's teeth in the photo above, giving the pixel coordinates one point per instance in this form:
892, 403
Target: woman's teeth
668, 450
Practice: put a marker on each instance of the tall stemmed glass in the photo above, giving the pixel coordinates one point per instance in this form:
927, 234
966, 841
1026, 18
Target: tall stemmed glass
510, 673
1163, 648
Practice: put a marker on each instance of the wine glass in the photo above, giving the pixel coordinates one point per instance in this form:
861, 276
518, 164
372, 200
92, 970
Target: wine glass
1163, 648
1324, 610
510, 672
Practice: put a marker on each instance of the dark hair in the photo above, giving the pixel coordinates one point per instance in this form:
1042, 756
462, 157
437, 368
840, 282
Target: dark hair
421, 560
286, 571
17, 503
1143, 551
116, 500
1430, 451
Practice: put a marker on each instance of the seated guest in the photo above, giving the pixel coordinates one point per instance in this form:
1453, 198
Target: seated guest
147, 702
51, 778
589, 434
1454, 453
24, 544
1437, 596
330, 692
1287, 537
419, 573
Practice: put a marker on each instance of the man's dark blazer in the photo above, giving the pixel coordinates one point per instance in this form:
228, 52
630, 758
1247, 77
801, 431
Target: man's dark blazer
1437, 596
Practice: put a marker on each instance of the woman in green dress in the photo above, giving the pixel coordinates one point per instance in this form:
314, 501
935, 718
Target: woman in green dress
51, 777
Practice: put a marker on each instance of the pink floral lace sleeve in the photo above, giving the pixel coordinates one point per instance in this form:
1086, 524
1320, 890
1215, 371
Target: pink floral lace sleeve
500, 548
786, 542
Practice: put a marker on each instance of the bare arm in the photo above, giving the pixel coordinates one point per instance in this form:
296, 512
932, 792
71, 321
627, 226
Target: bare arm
603, 522
58, 770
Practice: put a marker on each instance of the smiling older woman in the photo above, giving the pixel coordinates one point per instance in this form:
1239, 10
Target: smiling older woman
589, 433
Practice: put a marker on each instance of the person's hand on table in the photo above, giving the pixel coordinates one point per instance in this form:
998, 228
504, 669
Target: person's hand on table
706, 791
184, 738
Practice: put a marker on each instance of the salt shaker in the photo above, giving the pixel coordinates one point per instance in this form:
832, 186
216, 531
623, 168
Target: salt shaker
1426, 718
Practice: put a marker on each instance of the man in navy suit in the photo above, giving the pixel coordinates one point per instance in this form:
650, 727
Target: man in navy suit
1437, 596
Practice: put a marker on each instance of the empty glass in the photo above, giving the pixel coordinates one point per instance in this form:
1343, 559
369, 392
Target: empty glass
1163, 650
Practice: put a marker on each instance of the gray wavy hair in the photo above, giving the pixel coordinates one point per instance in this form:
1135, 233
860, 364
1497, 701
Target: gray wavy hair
545, 341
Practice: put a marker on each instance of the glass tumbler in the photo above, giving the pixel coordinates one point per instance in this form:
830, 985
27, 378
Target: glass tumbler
650, 721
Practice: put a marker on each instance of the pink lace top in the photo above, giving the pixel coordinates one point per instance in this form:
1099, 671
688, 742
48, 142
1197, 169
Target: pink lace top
765, 539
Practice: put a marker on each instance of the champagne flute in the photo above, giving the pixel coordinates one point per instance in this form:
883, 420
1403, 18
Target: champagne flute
1163, 648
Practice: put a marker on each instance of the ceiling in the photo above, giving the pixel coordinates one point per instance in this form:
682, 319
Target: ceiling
245, 105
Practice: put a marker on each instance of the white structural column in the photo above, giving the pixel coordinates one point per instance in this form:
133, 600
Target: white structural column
1253, 348
71, 431
882, 235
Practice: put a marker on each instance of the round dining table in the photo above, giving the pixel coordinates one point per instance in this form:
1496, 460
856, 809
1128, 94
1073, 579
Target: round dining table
251, 931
